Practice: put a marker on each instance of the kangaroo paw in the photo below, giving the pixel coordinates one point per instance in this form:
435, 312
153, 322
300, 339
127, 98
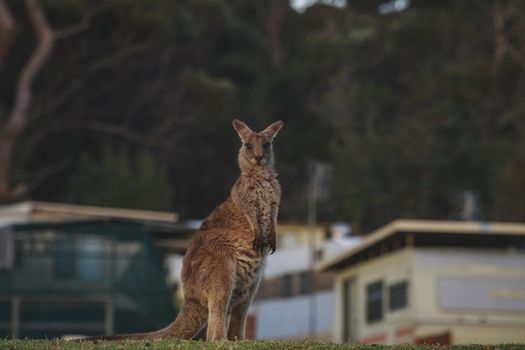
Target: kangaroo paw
272, 243
258, 244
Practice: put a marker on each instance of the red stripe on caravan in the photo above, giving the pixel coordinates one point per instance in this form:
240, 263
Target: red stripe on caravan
378, 338
404, 332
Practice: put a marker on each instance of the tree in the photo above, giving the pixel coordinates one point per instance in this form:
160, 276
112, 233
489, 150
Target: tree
16, 120
410, 107
115, 180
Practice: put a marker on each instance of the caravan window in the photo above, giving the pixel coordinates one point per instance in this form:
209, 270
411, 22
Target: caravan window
374, 302
398, 295
287, 285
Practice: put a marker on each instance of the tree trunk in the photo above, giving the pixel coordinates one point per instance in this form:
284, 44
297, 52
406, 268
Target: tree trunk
17, 119
7, 29
274, 26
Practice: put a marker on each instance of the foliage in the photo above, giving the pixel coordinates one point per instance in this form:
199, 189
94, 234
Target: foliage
411, 108
114, 181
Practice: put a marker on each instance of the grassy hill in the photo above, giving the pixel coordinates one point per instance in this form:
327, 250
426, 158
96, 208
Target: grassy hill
198, 345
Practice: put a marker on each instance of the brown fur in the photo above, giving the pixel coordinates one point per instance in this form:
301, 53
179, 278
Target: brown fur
222, 267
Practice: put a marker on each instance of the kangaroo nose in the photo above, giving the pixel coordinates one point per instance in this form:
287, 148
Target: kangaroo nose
259, 158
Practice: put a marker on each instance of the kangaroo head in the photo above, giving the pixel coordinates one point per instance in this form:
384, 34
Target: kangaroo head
256, 149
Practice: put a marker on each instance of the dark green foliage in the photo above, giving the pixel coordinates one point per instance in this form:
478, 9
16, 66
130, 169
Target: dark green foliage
114, 181
411, 108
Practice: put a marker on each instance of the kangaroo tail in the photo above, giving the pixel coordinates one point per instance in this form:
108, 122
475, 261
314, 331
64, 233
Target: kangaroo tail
131, 336
190, 321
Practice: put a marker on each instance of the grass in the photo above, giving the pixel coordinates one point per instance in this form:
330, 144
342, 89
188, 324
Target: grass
249, 345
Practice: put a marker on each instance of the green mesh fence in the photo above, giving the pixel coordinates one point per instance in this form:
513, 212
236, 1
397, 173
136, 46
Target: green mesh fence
83, 278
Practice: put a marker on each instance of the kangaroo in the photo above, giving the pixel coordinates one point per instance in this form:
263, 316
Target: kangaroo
222, 267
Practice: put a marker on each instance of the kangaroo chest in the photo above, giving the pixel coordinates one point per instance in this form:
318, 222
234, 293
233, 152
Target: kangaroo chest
264, 200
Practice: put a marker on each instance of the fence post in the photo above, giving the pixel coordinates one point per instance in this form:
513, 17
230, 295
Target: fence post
108, 318
15, 317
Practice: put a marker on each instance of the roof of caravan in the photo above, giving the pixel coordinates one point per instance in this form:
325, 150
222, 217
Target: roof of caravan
426, 230
31, 211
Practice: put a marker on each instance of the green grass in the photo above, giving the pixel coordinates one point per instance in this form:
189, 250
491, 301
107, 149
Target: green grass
198, 345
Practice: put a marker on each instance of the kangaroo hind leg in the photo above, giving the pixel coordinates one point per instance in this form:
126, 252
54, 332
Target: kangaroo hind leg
219, 290
236, 329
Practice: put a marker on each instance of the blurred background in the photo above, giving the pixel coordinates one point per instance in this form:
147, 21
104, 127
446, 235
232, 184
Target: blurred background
116, 140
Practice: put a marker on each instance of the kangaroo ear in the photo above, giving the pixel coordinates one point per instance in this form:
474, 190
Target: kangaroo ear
272, 130
242, 129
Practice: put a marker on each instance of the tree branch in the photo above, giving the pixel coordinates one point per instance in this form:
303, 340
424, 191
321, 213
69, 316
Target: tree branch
8, 29
500, 42
17, 119
84, 23
274, 27
516, 54
502, 45
125, 133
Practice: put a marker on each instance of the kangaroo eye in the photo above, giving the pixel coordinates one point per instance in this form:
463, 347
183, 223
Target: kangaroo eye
266, 146
248, 145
